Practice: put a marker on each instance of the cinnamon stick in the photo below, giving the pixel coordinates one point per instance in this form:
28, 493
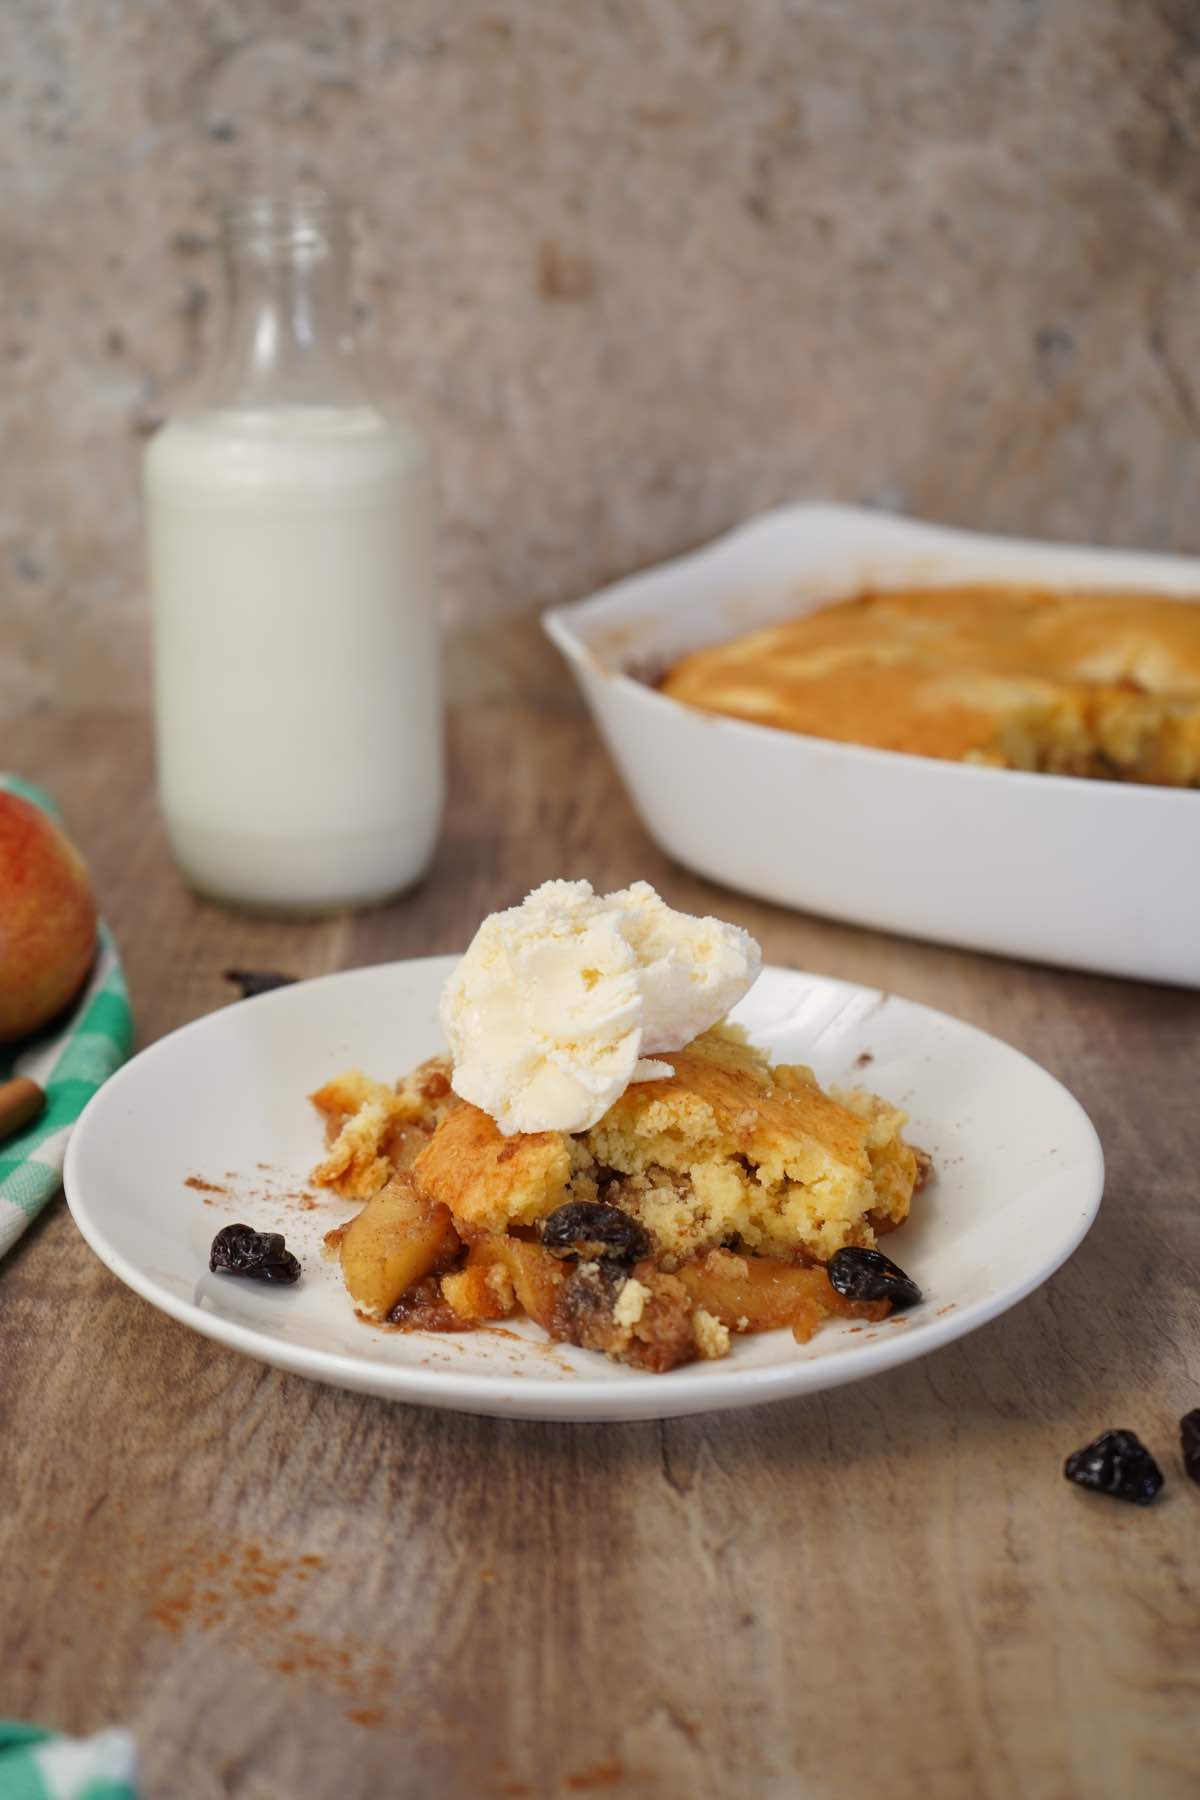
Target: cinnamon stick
21, 1100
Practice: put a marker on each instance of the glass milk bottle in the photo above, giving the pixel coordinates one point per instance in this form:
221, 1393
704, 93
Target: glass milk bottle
290, 527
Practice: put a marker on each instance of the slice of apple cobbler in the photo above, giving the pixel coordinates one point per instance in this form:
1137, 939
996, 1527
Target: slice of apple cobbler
699, 1205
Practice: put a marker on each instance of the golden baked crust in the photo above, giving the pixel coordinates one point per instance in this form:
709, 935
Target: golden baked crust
1101, 685
728, 1150
489, 1181
372, 1130
733, 1150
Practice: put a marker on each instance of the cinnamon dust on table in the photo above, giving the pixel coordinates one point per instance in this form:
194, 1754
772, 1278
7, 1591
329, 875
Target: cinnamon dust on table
600, 1775
204, 1187
253, 1596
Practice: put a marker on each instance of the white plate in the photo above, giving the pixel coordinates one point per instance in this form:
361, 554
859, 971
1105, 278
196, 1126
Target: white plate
1091, 874
1019, 1176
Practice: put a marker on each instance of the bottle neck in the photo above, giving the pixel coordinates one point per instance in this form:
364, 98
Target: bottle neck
288, 336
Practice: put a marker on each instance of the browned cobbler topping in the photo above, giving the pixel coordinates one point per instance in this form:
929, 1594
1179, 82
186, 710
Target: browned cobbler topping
434, 1085
699, 1207
372, 1129
1100, 685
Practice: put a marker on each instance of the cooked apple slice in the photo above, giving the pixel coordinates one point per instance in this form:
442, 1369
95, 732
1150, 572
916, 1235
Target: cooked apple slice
395, 1241
537, 1277
761, 1293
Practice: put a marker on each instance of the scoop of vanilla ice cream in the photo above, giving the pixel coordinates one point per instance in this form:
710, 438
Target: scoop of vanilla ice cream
549, 1012
691, 970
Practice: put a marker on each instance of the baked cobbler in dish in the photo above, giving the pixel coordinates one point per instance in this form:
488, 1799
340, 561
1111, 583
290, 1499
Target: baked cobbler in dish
1105, 685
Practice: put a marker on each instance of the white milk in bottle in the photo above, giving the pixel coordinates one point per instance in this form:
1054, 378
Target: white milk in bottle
290, 528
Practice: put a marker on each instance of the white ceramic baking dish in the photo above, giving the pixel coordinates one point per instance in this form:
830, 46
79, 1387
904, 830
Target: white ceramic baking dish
1090, 874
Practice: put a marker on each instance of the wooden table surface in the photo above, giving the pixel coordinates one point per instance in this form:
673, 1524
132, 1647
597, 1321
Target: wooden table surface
288, 1591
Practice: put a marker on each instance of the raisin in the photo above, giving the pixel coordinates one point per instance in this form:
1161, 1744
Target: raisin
258, 1255
591, 1228
858, 1274
258, 981
1116, 1463
1189, 1439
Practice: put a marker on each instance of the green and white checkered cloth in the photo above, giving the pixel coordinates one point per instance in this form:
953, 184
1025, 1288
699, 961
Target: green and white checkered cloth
38, 1765
70, 1065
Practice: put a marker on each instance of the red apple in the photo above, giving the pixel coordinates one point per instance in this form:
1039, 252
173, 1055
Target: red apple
47, 919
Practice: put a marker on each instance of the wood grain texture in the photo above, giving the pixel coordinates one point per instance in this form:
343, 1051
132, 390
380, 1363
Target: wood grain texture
886, 1587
